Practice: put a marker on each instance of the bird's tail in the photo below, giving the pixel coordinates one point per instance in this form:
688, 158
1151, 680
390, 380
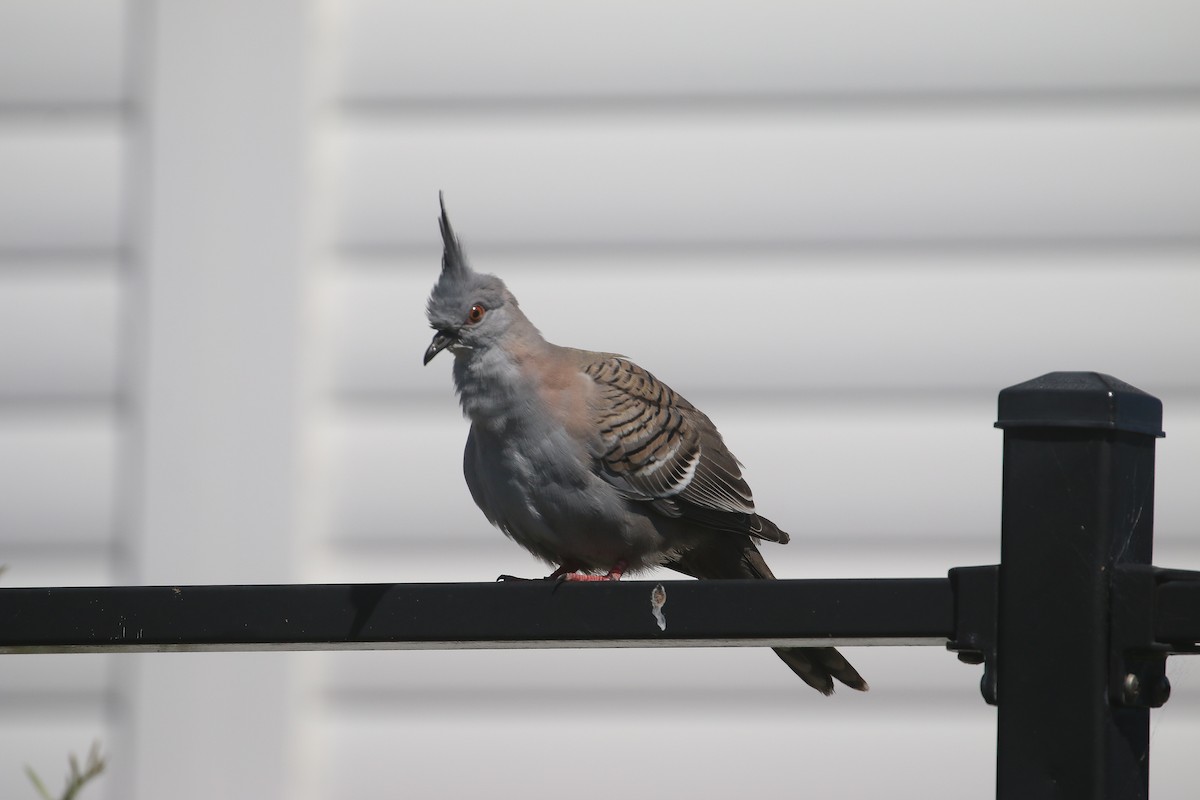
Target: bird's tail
816, 666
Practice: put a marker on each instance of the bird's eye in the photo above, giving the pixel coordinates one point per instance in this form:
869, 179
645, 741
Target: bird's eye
476, 313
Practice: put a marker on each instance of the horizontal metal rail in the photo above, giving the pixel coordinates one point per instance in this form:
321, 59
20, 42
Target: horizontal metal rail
526, 614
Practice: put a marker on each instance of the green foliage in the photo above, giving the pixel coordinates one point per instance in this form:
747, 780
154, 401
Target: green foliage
76, 777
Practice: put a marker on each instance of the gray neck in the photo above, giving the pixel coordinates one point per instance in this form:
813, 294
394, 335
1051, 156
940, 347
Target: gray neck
496, 385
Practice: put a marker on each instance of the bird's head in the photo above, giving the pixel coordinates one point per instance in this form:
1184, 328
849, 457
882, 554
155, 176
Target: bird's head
470, 311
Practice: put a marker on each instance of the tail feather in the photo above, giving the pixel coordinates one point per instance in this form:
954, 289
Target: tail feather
816, 666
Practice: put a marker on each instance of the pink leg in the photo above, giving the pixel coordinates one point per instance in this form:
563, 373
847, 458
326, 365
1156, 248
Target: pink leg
614, 574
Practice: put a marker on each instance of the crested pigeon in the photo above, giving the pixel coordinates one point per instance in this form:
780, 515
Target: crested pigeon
590, 462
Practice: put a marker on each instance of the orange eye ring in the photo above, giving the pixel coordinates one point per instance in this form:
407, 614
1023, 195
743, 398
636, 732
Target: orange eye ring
476, 313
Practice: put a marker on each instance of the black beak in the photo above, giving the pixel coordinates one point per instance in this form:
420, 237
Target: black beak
441, 340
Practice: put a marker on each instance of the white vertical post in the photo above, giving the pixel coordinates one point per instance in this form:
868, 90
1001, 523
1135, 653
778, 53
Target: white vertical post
220, 146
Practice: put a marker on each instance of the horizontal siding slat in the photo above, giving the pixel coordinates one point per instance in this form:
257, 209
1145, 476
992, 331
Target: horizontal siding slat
868, 474
58, 473
810, 472
48, 675
59, 334
773, 324
486, 554
547, 683
62, 185
59, 566
62, 52
663, 755
769, 176
513, 677
629, 48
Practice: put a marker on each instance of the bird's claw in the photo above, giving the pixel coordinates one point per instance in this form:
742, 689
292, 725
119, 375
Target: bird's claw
562, 573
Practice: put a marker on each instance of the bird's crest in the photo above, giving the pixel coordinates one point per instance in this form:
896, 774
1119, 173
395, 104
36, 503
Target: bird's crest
454, 263
459, 286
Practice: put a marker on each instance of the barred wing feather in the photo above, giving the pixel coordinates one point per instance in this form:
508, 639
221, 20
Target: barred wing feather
660, 449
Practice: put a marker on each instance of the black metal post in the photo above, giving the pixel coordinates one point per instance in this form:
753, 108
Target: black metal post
1078, 501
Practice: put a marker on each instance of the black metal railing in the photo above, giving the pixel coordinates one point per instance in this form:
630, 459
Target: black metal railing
1073, 627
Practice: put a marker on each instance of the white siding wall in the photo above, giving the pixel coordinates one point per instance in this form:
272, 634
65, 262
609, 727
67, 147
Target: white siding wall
838, 227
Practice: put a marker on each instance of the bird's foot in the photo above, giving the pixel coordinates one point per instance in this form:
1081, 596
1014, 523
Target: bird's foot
558, 574
613, 574
563, 572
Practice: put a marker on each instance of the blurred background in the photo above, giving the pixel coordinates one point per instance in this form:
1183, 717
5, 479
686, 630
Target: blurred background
839, 227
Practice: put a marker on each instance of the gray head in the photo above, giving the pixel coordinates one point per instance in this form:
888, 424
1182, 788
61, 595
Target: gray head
469, 311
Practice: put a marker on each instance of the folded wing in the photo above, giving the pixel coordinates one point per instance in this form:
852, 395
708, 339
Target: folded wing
660, 449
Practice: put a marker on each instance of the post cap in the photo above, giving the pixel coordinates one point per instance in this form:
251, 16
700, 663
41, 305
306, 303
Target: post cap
1080, 400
